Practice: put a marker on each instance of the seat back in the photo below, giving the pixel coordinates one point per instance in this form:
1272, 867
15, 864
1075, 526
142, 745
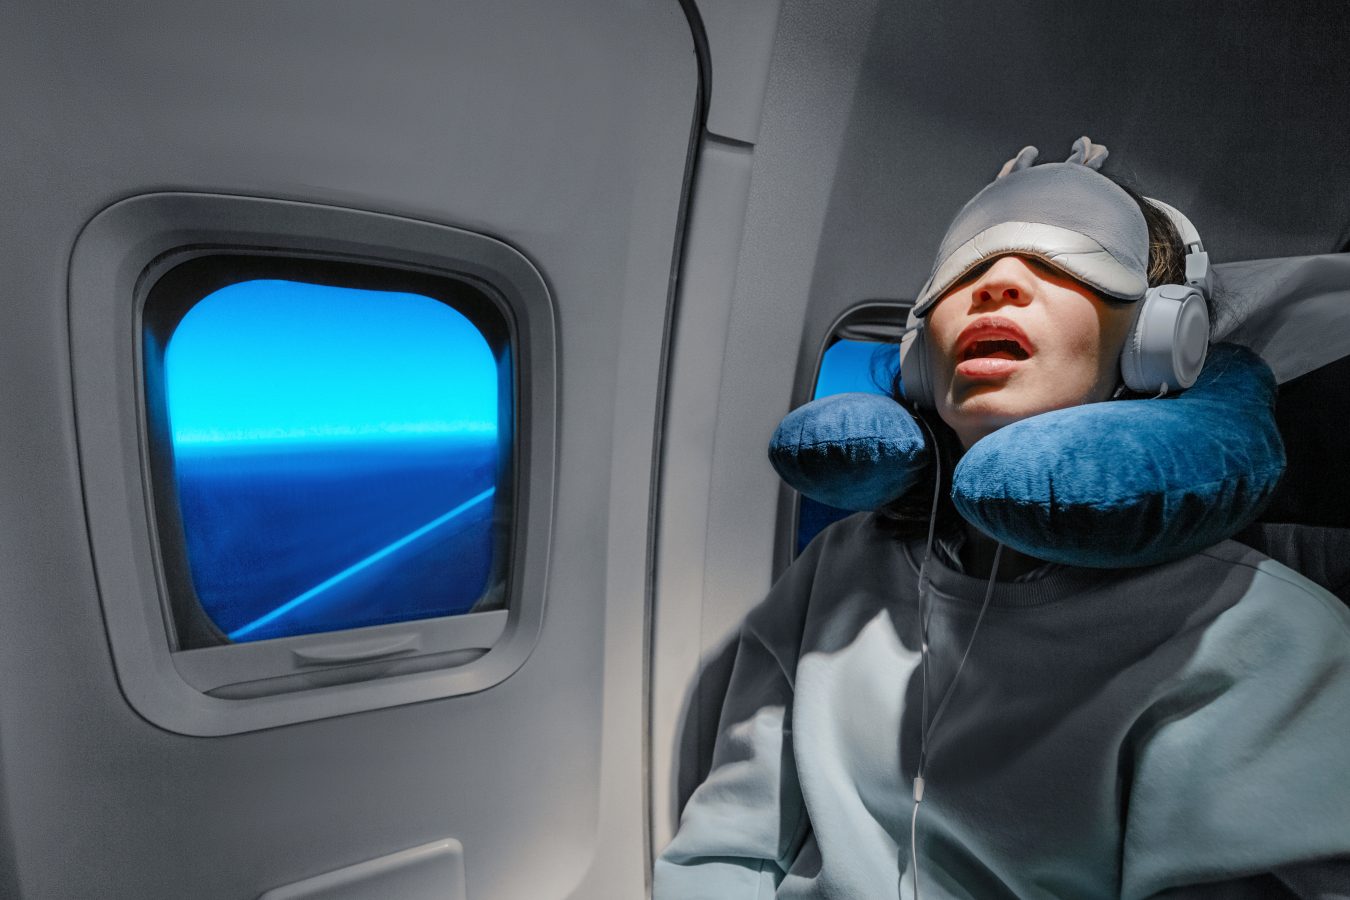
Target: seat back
1307, 524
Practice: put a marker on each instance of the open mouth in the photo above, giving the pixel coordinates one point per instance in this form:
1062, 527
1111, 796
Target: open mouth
991, 349
994, 348
992, 345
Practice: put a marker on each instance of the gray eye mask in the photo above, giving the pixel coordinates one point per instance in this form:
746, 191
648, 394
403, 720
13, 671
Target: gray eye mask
1067, 215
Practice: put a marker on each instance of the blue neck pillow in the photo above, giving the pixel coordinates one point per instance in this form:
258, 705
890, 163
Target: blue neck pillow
1104, 485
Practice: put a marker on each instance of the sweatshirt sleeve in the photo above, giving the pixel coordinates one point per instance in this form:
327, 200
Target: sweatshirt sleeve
1323, 879
1242, 765
743, 825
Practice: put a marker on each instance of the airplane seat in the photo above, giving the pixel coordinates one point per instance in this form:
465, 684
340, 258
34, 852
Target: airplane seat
1320, 554
1307, 524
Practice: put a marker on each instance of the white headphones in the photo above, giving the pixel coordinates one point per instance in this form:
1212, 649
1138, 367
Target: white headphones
1168, 339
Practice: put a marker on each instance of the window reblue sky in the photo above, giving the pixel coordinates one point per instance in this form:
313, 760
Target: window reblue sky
857, 366
270, 360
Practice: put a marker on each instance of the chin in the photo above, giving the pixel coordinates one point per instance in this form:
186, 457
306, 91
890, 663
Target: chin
985, 411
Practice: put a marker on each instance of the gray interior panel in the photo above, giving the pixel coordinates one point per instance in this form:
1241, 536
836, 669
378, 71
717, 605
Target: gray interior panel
740, 43
757, 319
562, 131
707, 282
434, 871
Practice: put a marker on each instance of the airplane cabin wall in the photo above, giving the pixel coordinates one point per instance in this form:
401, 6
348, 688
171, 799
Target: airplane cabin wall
760, 202
561, 130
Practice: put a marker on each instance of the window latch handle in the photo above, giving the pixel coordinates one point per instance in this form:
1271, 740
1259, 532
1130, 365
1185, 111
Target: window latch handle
355, 651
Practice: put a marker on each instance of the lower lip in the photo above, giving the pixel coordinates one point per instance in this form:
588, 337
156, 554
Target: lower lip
987, 367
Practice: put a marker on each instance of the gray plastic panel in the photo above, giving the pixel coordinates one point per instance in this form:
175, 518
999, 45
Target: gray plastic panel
757, 219
432, 871
740, 41
812, 82
560, 129
210, 668
706, 287
116, 259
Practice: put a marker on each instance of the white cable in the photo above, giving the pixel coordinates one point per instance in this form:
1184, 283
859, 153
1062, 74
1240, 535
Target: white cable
923, 569
988, 594
923, 654
926, 731
914, 830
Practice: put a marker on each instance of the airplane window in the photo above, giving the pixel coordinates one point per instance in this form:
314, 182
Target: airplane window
337, 452
848, 365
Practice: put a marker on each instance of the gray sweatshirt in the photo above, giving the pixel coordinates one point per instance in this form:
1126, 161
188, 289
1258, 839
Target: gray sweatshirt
1113, 734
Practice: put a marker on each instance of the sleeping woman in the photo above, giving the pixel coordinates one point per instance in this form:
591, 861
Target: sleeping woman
917, 709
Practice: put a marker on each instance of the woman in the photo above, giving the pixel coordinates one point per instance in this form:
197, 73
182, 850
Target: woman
1173, 730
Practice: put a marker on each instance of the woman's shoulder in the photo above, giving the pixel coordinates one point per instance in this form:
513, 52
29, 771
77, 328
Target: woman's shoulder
1255, 621
1242, 744
1269, 586
850, 558
857, 551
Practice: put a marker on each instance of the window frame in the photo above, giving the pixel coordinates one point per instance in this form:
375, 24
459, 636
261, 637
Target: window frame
118, 259
878, 320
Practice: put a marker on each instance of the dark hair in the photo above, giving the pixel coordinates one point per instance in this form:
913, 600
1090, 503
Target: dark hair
907, 517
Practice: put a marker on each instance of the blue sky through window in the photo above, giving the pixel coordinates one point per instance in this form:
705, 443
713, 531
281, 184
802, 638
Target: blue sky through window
857, 366
336, 456
848, 366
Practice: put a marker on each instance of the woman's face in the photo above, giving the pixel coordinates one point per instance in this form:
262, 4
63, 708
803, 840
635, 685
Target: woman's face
1016, 338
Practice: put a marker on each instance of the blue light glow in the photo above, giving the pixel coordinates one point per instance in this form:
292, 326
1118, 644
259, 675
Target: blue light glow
320, 430
866, 366
276, 361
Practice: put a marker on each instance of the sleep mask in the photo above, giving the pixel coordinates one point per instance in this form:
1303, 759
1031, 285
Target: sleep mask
1067, 215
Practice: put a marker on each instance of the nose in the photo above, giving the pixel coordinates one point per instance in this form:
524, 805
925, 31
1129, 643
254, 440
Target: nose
1007, 280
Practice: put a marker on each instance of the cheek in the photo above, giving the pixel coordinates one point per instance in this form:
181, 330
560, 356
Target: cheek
942, 332
1090, 338
1080, 330
1109, 328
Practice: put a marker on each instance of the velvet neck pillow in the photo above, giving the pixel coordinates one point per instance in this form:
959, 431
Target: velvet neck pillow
1105, 485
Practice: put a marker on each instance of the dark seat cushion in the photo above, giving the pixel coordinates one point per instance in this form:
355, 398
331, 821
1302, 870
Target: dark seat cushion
1306, 525
1313, 415
1319, 552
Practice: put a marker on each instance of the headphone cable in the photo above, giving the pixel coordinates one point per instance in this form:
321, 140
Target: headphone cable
927, 732
927, 727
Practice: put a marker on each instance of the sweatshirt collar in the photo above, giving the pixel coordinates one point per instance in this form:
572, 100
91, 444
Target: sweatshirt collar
1059, 582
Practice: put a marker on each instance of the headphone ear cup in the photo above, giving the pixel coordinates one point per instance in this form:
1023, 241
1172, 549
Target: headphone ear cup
914, 369
1166, 346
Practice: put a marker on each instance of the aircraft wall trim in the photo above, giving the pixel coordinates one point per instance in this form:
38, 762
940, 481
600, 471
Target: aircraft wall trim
433, 871
740, 42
